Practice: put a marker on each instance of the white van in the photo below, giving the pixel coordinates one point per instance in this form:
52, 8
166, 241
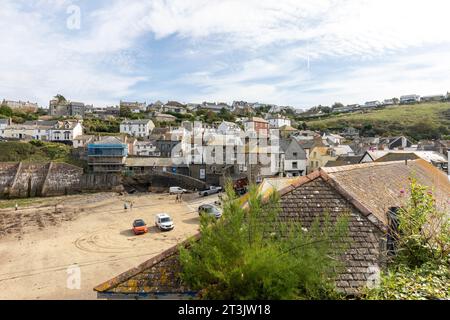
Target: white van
164, 222
177, 190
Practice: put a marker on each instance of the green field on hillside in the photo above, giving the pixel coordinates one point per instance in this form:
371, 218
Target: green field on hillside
37, 151
421, 121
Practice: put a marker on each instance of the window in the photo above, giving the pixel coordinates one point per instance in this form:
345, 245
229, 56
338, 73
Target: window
295, 154
294, 165
393, 229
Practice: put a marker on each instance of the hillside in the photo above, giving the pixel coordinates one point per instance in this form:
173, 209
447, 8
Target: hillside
37, 151
422, 121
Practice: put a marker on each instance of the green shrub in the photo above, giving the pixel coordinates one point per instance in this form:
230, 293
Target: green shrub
430, 281
423, 231
250, 254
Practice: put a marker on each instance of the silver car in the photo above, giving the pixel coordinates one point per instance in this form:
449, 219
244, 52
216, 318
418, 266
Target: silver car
210, 210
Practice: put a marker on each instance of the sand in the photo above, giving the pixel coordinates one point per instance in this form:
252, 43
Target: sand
93, 232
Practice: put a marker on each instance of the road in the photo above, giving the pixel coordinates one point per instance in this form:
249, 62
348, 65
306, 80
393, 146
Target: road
38, 245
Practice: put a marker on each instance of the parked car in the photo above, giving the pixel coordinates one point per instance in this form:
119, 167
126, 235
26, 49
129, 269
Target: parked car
164, 222
177, 190
210, 210
210, 191
139, 227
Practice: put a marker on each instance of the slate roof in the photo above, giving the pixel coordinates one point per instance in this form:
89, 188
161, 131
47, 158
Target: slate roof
291, 146
151, 162
379, 186
309, 202
157, 276
344, 161
137, 122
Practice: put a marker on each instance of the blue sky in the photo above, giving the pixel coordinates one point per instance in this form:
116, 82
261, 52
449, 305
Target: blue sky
287, 52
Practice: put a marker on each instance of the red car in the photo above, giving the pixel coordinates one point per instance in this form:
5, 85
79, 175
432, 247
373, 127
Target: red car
139, 227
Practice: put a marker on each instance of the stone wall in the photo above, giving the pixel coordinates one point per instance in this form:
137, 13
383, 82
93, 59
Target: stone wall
7, 175
22, 180
159, 181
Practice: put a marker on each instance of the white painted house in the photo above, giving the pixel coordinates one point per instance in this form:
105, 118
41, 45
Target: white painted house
228, 128
65, 131
4, 123
137, 128
146, 149
278, 121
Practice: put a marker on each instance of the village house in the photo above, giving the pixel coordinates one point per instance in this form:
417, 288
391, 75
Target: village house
165, 118
332, 139
65, 131
395, 143
433, 98
368, 194
82, 141
214, 107
258, 125
4, 123
27, 131
350, 133
227, 127
146, 148
107, 155
137, 128
149, 165
410, 99
174, 107
372, 104
287, 131
344, 161
278, 121
293, 161
319, 157
55, 131
310, 143
21, 105
67, 109
135, 107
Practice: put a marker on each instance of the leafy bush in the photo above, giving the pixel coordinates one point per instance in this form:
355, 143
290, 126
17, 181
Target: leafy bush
421, 267
404, 283
251, 254
423, 231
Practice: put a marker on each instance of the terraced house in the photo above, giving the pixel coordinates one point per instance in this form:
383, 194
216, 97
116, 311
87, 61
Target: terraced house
367, 193
137, 128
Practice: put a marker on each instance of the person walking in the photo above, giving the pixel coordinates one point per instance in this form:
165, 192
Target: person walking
17, 206
131, 206
125, 206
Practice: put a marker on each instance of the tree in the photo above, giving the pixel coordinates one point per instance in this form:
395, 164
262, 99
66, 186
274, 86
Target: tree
125, 112
226, 115
6, 111
60, 98
251, 254
337, 105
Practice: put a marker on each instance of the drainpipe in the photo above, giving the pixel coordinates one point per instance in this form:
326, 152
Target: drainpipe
448, 163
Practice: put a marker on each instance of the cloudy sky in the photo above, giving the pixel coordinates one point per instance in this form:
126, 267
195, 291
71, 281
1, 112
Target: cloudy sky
288, 52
